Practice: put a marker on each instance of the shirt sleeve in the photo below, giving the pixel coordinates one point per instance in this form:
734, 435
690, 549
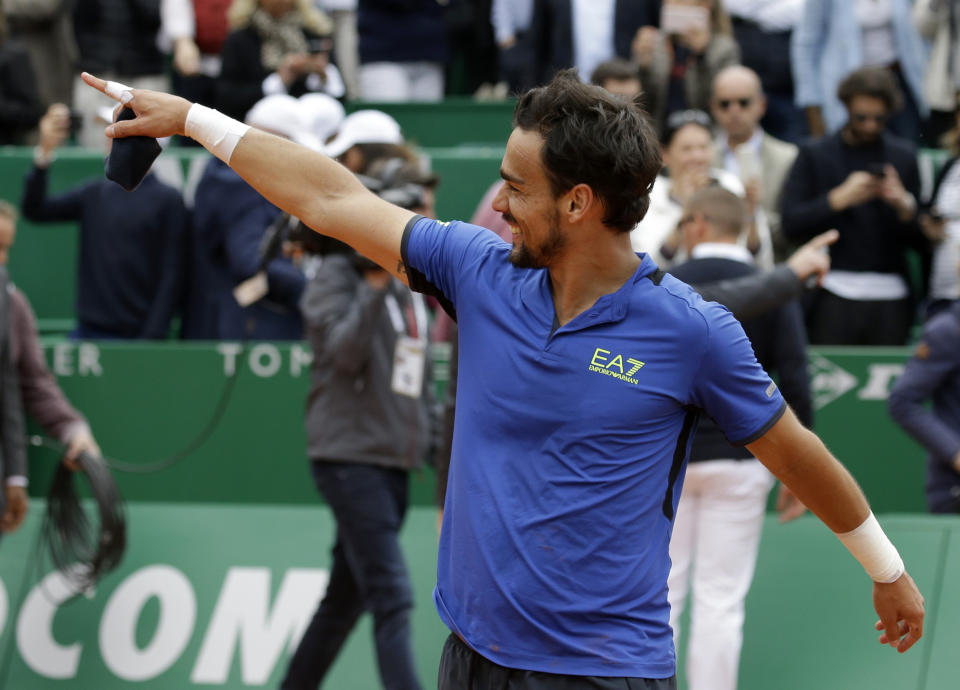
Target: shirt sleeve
731, 386
438, 256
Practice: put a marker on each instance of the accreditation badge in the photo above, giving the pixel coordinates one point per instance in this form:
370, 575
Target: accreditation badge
409, 359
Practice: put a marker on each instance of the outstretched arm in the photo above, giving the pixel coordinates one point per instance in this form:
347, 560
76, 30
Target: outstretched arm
317, 190
800, 460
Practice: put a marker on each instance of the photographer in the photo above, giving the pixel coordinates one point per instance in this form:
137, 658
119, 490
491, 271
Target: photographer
863, 181
368, 424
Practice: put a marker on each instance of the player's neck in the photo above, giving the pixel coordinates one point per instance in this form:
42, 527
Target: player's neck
581, 276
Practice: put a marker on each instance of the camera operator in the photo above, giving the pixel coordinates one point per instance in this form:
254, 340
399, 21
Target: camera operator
368, 424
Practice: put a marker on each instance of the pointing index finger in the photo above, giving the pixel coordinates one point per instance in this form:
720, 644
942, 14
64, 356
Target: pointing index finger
96, 82
114, 89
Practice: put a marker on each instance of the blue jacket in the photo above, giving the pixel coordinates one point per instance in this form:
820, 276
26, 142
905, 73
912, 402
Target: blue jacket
826, 47
933, 373
230, 219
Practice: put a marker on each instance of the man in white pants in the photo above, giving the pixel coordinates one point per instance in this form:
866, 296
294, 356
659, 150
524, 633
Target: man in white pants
716, 533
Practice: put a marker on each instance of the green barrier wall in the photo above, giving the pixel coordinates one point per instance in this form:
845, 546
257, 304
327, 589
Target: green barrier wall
146, 402
216, 596
455, 122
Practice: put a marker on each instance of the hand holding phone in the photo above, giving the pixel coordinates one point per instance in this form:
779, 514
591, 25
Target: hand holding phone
55, 127
682, 19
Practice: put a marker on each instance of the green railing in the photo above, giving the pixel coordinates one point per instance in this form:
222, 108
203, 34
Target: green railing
148, 401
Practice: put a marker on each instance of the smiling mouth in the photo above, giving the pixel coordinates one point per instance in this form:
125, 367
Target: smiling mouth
512, 224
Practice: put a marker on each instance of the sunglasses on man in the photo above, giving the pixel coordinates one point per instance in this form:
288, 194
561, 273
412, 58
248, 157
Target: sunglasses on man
864, 117
725, 103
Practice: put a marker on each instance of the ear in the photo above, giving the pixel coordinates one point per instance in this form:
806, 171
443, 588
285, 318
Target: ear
579, 203
763, 105
695, 231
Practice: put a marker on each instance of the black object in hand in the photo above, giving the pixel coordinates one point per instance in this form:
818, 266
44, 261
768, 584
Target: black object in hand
131, 157
877, 169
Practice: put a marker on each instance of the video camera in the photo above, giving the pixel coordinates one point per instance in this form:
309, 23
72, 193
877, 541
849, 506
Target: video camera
395, 180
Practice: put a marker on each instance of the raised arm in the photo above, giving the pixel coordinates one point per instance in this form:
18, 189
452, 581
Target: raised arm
311, 186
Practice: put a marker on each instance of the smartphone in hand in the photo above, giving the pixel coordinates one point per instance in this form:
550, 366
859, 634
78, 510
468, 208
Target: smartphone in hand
680, 19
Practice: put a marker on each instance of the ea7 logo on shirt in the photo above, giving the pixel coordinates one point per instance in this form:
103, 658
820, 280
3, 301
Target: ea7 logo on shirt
617, 366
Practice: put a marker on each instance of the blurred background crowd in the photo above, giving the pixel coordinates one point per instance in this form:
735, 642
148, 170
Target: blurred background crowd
746, 94
778, 120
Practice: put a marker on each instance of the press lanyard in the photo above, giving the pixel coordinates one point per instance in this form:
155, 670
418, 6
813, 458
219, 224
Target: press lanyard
419, 314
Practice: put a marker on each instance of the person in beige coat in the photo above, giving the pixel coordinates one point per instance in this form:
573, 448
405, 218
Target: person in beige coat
744, 149
677, 67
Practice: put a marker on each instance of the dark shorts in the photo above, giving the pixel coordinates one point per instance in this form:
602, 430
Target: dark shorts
461, 668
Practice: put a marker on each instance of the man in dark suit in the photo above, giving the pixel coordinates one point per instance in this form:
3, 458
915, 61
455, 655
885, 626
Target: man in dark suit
559, 35
720, 516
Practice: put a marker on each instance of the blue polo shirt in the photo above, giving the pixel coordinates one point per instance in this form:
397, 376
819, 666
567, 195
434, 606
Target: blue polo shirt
568, 453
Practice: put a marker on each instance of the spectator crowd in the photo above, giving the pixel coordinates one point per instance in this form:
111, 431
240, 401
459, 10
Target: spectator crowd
812, 111
778, 120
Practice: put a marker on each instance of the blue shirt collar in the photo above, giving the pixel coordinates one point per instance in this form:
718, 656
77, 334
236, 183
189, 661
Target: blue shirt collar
538, 299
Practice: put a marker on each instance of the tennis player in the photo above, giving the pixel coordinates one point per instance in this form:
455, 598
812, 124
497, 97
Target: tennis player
582, 371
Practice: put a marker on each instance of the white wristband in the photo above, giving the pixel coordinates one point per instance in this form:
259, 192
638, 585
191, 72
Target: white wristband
218, 133
873, 549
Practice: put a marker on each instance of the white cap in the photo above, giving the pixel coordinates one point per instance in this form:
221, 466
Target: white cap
323, 114
282, 114
365, 127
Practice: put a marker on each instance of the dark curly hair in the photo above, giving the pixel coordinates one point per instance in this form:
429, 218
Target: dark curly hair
875, 82
592, 137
